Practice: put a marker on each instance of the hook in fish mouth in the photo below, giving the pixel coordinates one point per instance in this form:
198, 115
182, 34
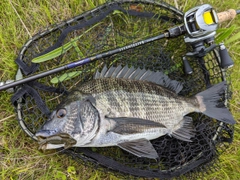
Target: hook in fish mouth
63, 139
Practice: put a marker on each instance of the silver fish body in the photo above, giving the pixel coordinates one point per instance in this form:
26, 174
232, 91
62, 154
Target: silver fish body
126, 107
139, 100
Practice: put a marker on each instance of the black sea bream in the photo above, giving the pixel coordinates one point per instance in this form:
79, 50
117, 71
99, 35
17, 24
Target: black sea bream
126, 107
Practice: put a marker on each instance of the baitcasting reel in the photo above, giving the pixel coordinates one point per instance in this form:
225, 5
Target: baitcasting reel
201, 24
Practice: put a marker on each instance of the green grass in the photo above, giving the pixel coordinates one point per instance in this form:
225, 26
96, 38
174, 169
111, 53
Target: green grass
19, 155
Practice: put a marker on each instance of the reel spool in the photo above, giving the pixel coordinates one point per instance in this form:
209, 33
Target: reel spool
111, 25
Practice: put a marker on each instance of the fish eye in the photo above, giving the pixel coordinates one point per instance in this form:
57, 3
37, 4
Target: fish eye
61, 113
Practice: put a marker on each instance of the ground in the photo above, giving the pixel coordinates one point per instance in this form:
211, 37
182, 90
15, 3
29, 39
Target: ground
19, 155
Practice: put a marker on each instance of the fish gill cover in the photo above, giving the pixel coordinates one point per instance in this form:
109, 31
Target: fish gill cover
109, 26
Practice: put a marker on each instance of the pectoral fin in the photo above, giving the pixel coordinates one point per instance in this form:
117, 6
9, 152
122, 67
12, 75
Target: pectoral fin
140, 148
127, 125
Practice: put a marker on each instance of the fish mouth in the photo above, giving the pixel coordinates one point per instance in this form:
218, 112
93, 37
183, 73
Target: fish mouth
59, 139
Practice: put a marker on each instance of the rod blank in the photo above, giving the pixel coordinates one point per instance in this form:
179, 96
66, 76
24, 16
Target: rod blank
82, 62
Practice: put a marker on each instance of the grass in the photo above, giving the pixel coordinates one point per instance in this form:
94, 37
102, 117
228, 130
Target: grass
19, 155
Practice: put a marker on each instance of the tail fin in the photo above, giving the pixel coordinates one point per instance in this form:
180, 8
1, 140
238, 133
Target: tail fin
208, 101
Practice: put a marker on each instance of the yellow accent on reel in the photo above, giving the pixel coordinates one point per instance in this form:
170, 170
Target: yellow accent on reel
208, 18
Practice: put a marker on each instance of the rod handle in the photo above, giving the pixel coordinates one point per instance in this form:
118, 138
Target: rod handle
226, 15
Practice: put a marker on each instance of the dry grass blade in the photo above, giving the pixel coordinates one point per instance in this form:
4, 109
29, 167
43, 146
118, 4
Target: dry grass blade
176, 4
25, 27
6, 118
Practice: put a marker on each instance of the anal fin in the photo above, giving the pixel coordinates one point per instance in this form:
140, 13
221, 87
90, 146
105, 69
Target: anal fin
140, 148
186, 131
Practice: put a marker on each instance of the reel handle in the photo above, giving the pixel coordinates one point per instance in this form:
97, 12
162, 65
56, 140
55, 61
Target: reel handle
226, 15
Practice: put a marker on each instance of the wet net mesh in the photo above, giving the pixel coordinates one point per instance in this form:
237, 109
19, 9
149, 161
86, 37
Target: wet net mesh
109, 26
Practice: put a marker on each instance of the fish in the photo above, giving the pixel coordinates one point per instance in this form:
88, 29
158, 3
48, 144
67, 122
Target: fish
128, 107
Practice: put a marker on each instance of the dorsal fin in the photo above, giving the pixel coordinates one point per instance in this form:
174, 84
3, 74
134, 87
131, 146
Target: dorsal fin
140, 74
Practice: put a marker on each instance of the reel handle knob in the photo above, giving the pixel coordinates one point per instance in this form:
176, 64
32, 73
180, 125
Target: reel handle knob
186, 66
226, 60
226, 15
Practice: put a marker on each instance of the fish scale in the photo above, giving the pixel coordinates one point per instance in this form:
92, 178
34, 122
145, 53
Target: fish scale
139, 99
141, 106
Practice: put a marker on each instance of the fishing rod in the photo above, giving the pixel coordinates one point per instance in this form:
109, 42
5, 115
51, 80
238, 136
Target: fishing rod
81, 62
200, 24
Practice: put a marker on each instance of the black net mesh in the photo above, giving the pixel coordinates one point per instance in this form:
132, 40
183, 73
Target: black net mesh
109, 26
